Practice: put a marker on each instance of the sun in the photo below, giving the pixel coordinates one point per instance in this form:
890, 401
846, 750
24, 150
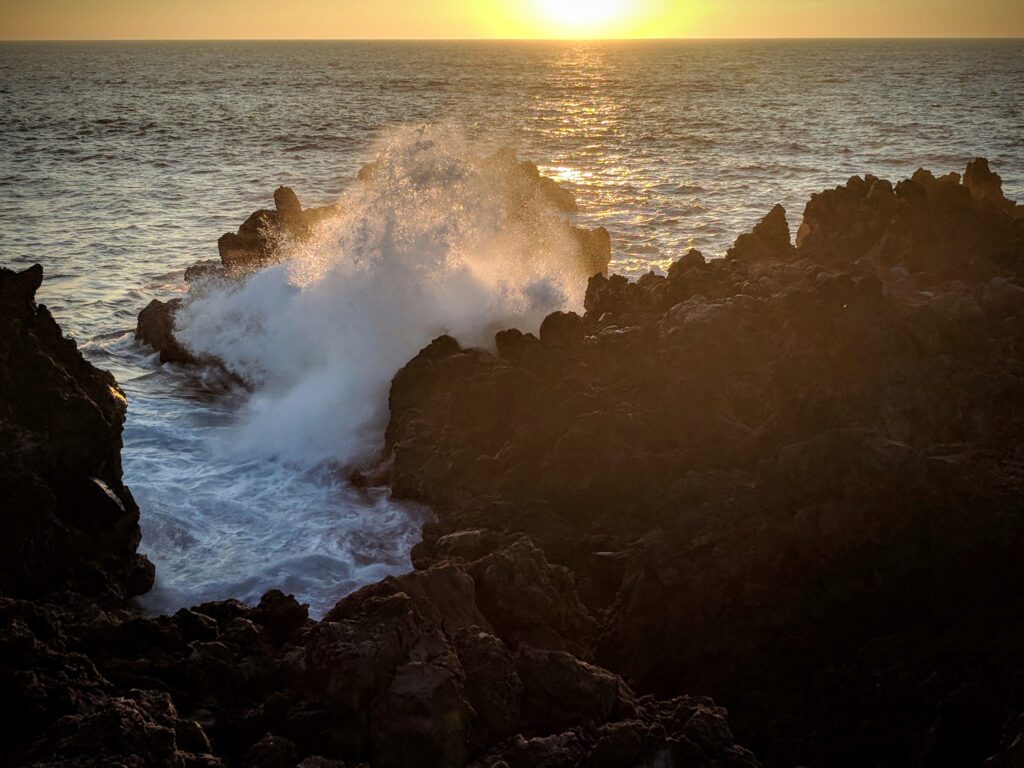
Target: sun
582, 16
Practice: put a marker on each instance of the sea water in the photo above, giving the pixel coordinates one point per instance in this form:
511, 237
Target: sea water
121, 164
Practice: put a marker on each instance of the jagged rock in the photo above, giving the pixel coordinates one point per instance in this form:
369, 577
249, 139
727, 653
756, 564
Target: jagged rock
530, 601
287, 204
459, 547
513, 343
205, 271
281, 617
940, 228
259, 240
68, 522
790, 478
445, 595
493, 687
156, 328
595, 249
768, 474
120, 732
692, 259
562, 329
426, 669
560, 691
769, 240
985, 186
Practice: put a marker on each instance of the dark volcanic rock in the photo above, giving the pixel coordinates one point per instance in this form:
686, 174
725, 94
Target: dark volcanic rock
562, 329
205, 271
258, 240
68, 521
156, 328
791, 478
769, 240
530, 601
559, 691
938, 229
427, 669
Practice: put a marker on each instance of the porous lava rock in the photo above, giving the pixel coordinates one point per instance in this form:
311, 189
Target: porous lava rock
483, 656
791, 478
68, 522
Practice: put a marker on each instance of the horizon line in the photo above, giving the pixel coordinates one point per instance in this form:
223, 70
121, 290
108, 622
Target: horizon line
496, 39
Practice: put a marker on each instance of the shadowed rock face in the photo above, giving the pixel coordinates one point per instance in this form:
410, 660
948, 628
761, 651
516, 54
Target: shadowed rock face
257, 242
156, 328
791, 478
480, 660
68, 523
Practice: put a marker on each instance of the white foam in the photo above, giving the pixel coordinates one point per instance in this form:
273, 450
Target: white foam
430, 246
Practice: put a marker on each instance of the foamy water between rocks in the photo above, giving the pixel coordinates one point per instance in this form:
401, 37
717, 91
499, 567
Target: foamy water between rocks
248, 489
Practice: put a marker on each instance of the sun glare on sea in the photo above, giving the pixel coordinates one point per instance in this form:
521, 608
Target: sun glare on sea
575, 17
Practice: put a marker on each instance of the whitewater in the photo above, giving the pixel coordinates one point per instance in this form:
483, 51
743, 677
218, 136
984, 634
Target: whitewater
444, 238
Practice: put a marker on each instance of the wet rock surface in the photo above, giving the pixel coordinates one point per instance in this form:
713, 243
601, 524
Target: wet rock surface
68, 522
468, 661
156, 328
259, 240
791, 478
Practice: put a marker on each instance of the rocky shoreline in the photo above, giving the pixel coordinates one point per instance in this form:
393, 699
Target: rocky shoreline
791, 479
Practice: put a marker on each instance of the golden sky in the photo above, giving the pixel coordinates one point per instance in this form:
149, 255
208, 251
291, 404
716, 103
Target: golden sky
335, 19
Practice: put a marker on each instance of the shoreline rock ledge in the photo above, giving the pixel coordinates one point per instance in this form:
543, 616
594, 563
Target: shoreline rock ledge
791, 479
484, 663
68, 521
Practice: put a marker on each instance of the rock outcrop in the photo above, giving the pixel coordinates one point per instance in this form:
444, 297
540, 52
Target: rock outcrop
258, 240
67, 521
410, 672
156, 328
484, 659
791, 479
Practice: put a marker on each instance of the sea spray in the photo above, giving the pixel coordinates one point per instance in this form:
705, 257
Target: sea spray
442, 238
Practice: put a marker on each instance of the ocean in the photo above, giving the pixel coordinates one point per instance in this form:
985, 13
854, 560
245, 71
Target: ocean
122, 163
